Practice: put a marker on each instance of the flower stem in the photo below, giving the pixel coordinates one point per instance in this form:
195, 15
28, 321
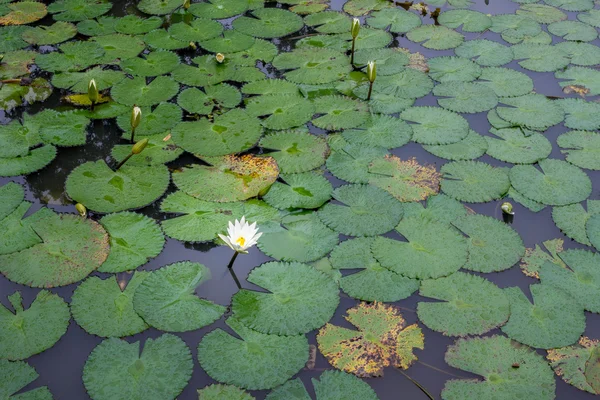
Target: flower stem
417, 384
235, 278
352, 51
132, 134
370, 90
230, 265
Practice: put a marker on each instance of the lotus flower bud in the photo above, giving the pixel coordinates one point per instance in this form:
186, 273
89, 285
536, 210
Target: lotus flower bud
139, 146
220, 58
186, 4
93, 91
371, 71
81, 209
507, 208
136, 117
355, 27
193, 46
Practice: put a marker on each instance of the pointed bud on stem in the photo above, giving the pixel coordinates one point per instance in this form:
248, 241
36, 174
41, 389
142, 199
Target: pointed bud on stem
371, 75
135, 149
186, 4
81, 209
93, 92
136, 118
220, 58
354, 30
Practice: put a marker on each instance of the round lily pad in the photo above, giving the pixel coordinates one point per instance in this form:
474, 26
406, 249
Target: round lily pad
220, 96
465, 97
22, 12
159, 150
105, 307
73, 56
351, 162
295, 151
53, 34
434, 125
397, 20
506, 82
167, 300
474, 181
305, 296
571, 219
313, 65
576, 364
382, 340
118, 370
95, 185
136, 92
541, 13
435, 37
232, 132
555, 319
581, 114
592, 228
584, 54
218, 9
534, 258
533, 111
573, 31
471, 147
448, 68
156, 63
363, 211
251, 360
470, 305
25, 332
372, 282
280, 111
485, 52
134, 25
508, 370
304, 190
580, 76
97, 27
511, 145
380, 131
467, 20
161, 39
159, 7
78, 10
17, 235
493, 245
515, 28
220, 392
269, 23
328, 22
581, 148
17, 375
229, 178
78, 81
134, 239
119, 47
389, 60
11, 195
70, 249
559, 183
158, 121
338, 112
302, 238
540, 57
433, 249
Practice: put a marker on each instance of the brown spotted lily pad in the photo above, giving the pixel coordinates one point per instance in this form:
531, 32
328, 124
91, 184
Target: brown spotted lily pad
382, 340
578, 365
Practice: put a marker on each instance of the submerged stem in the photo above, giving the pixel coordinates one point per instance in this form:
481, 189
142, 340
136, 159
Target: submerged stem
132, 134
352, 51
235, 278
417, 384
370, 90
230, 265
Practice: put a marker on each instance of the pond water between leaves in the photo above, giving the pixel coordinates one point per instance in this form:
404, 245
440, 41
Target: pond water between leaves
60, 367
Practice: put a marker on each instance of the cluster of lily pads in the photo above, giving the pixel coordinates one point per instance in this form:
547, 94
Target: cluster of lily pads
272, 117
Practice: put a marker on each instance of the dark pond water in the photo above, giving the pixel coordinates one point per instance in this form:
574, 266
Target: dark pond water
60, 367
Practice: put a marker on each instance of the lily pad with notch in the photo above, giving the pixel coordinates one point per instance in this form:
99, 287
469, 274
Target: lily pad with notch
269, 23
22, 12
532, 111
134, 25
220, 97
582, 148
506, 82
573, 31
380, 131
154, 121
511, 145
580, 76
78, 10
485, 52
581, 114
135, 91
219, 392
295, 151
280, 111
339, 112
435, 37
572, 219
453, 69
540, 57
465, 97
17, 375
78, 81
53, 34
313, 65
534, 258
73, 56
328, 22
434, 125
467, 20
577, 364
159, 7
351, 162
307, 190
471, 147
154, 64
219, 9
474, 181
97, 27
160, 150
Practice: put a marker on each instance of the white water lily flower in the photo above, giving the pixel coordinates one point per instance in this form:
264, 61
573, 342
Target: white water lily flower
241, 235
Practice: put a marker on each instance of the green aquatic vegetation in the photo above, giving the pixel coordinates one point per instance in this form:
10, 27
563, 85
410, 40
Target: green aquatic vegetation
17, 375
577, 364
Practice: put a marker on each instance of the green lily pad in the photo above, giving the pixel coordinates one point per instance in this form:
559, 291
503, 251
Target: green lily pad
362, 7
301, 238
470, 305
280, 111
305, 296
573, 30
433, 249
229, 178
534, 258
558, 184
62, 128
105, 307
572, 5
339, 112
58, 259
471, 147
580, 76
16, 64
382, 340
389, 61
525, 201
156, 63
474, 181
22, 12
435, 37
304, 190
166, 299
134, 239
159, 150
581, 148
25, 332
313, 65
118, 370
535, 324
135, 91
73, 56
97, 27
540, 57
493, 245
53, 34
78, 10
269, 23
397, 20
514, 28
158, 121
571, 219
232, 132
485, 52
161, 39
380, 131
18, 235
119, 47
159, 7
533, 111
210, 72
230, 41
465, 97
541, 13
333, 385
581, 114
351, 162
220, 96
261, 50
364, 210
295, 151
467, 20
17, 375
11, 37
219, 9
440, 208
134, 25
11, 196
450, 68
391, 89
78, 81
511, 145
328, 22
251, 360
583, 54
592, 228
14, 94
508, 370
577, 364
506, 82
591, 17
372, 282
434, 125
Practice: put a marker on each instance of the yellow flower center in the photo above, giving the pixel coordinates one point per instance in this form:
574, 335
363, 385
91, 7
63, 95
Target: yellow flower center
241, 241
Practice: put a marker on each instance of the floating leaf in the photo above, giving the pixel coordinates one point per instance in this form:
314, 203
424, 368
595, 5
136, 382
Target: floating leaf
581, 114
97, 27
467, 20
580, 76
280, 111
158, 121
301, 238
58, 259
119, 47
269, 23
351, 162
493, 245
210, 72
254, 360
485, 52
434, 125
105, 307
558, 184
161, 39
14, 94
474, 181
103, 190
134, 25
156, 63
592, 228
17, 375
135, 91
296, 151
514, 147
219, 9
533, 111
440, 208
584, 54
25, 332
577, 364
396, 19
449, 69
571, 219
11, 196
471, 305
435, 37
514, 28
382, 340
134, 239
53, 34
232, 132
78, 10
508, 370
313, 65
78, 81
592, 17
433, 249
159, 150
304, 190
16, 64
465, 97
159, 7
362, 7
471, 147
305, 297
220, 392
328, 22
213, 97
17, 235
506, 82
380, 131
389, 61
10, 37
581, 148
74, 56
540, 57
229, 178
339, 112
534, 258
118, 370
372, 282
389, 91
363, 210
23, 12
166, 299
573, 30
